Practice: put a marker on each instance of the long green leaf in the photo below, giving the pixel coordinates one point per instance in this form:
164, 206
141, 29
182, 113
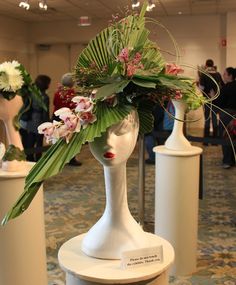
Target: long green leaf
144, 83
61, 153
112, 88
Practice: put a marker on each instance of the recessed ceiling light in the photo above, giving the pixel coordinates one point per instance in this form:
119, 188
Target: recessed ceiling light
180, 13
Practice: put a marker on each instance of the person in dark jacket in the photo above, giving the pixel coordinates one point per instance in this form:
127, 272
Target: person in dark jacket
38, 115
227, 101
209, 89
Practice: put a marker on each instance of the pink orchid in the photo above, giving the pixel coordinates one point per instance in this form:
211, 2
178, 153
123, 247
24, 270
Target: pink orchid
87, 118
178, 95
47, 129
72, 123
137, 58
173, 69
131, 70
124, 55
61, 131
63, 112
83, 104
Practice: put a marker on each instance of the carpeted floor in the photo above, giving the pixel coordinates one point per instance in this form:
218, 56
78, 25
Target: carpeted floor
74, 200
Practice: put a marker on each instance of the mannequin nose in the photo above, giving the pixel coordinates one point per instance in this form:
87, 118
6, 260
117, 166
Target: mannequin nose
109, 140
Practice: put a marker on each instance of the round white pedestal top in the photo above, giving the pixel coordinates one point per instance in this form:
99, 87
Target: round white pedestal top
73, 261
17, 174
194, 150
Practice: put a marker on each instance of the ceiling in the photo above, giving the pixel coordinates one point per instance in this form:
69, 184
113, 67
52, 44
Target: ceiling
97, 9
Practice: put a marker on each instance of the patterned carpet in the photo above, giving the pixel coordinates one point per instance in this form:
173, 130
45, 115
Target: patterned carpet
74, 200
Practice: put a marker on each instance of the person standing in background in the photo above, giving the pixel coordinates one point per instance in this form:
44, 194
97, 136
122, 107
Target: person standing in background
63, 98
36, 116
209, 89
227, 102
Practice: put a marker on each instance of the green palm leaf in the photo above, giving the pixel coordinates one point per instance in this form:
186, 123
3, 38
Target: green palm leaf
61, 153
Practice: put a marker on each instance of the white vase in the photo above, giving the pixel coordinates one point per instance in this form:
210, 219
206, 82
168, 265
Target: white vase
8, 110
116, 231
177, 140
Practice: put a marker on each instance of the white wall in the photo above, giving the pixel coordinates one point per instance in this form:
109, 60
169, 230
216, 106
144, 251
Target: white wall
198, 37
231, 39
14, 40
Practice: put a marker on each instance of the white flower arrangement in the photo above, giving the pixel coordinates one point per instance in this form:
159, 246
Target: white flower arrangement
11, 78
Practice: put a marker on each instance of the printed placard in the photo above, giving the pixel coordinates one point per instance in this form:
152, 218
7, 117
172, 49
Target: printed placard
142, 257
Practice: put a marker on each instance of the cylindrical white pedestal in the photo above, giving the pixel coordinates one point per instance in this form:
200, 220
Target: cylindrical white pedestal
176, 204
85, 270
22, 240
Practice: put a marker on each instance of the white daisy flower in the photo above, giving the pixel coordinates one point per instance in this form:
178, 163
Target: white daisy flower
10, 77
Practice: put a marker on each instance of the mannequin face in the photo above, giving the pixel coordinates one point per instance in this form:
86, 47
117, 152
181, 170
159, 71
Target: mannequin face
117, 143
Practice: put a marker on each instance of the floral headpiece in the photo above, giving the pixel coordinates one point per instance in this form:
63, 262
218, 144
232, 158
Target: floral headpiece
119, 70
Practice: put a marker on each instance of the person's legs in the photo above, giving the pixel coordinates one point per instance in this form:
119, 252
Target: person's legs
207, 122
31, 139
150, 143
214, 122
227, 150
24, 137
39, 143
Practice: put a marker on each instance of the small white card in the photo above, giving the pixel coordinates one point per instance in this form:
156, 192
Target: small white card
141, 257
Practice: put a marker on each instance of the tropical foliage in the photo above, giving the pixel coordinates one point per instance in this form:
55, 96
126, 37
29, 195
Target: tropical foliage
120, 69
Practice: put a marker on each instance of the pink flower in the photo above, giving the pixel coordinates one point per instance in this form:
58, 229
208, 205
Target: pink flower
61, 131
72, 123
137, 58
63, 112
124, 55
173, 69
131, 70
83, 104
87, 118
178, 95
47, 129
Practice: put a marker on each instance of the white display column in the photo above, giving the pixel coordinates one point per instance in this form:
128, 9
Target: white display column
176, 204
82, 269
176, 195
22, 240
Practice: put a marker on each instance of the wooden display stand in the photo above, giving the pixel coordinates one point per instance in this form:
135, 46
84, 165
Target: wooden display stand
22, 240
176, 204
84, 270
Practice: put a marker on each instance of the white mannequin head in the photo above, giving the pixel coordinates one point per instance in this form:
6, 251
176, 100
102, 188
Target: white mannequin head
117, 143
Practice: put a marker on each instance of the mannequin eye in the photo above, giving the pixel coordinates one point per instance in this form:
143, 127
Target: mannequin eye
122, 128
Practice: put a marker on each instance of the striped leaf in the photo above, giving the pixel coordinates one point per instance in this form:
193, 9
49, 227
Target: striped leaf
61, 153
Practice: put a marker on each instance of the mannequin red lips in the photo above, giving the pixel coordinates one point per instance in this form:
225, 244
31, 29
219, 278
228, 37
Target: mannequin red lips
109, 155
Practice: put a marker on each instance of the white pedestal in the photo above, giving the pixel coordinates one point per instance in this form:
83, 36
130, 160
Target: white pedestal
84, 270
176, 204
22, 240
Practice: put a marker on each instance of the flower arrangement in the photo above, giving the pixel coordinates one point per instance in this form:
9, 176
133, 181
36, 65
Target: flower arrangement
119, 70
11, 79
15, 80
